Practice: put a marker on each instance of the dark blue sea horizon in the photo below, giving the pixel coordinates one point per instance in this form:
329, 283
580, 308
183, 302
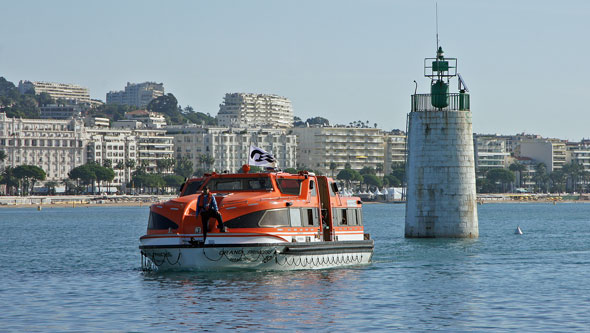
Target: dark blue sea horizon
78, 269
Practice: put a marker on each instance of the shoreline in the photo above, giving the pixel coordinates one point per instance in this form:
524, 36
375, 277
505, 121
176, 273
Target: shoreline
40, 202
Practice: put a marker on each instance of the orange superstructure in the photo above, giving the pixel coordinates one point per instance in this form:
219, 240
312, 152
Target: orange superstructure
261, 210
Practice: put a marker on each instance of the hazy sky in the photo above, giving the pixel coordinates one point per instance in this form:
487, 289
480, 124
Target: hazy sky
525, 62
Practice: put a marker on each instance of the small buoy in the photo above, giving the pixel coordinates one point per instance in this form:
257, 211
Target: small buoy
39, 207
518, 231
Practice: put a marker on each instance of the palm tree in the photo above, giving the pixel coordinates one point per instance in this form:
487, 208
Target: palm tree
207, 161
333, 167
541, 178
517, 167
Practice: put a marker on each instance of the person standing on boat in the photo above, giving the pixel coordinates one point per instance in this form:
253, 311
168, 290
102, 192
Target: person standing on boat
207, 208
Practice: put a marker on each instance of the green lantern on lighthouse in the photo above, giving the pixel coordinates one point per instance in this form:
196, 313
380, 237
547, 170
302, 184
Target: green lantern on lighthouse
440, 70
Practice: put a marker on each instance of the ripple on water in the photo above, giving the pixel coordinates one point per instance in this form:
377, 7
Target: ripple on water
77, 269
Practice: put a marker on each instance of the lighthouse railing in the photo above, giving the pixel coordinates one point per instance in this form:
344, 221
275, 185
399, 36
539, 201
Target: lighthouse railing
456, 102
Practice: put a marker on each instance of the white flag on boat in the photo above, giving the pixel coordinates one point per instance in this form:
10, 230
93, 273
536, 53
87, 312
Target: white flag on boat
259, 157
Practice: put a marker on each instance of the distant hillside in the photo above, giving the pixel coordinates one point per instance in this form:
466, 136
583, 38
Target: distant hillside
175, 115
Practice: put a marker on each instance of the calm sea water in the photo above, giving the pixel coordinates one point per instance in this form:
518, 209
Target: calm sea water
78, 269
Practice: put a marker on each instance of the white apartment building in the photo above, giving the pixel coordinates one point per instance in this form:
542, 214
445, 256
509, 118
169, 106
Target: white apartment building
551, 152
68, 92
137, 94
153, 145
318, 147
490, 152
56, 146
395, 150
579, 153
55, 111
116, 145
255, 110
229, 147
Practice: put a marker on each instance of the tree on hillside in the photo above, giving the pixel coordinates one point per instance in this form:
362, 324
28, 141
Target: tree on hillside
168, 106
200, 118
318, 121
112, 111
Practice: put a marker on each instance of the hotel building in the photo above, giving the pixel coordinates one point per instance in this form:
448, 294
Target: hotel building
229, 147
319, 147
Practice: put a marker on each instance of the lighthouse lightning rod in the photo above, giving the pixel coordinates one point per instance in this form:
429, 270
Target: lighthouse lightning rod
436, 4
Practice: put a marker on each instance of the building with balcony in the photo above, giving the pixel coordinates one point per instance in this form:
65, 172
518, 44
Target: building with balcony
136, 94
551, 152
319, 147
490, 152
153, 145
579, 153
395, 150
59, 91
56, 111
115, 145
255, 110
226, 149
56, 146
147, 118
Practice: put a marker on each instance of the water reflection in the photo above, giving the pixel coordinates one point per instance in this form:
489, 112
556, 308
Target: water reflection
254, 299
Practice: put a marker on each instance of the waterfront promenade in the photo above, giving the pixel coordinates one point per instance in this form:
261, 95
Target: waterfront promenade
83, 200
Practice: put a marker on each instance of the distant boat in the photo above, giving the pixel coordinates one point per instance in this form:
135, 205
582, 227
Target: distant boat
518, 231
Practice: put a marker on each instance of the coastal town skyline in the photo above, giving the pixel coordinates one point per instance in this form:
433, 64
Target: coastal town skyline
332, 60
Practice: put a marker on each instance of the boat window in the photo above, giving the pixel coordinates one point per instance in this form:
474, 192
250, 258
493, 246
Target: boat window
159, 222
295, 217
332, 194
359, 216
249, 220
275, 218
289, 185
240, 184
192, 187
341, 216
309, 217
351, 214
314, 191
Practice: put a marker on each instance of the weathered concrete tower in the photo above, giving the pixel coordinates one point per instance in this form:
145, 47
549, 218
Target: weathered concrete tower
440, 169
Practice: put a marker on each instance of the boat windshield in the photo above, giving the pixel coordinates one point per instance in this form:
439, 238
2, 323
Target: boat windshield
289, 185
240, 184
192, 187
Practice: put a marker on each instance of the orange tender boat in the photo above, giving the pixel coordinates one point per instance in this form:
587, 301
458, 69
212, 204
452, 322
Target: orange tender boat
274, 220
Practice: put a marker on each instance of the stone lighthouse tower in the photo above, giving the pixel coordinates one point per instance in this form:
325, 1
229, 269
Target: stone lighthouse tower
440, 169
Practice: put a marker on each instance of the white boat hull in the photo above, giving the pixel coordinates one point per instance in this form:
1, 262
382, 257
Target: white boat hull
270, 256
